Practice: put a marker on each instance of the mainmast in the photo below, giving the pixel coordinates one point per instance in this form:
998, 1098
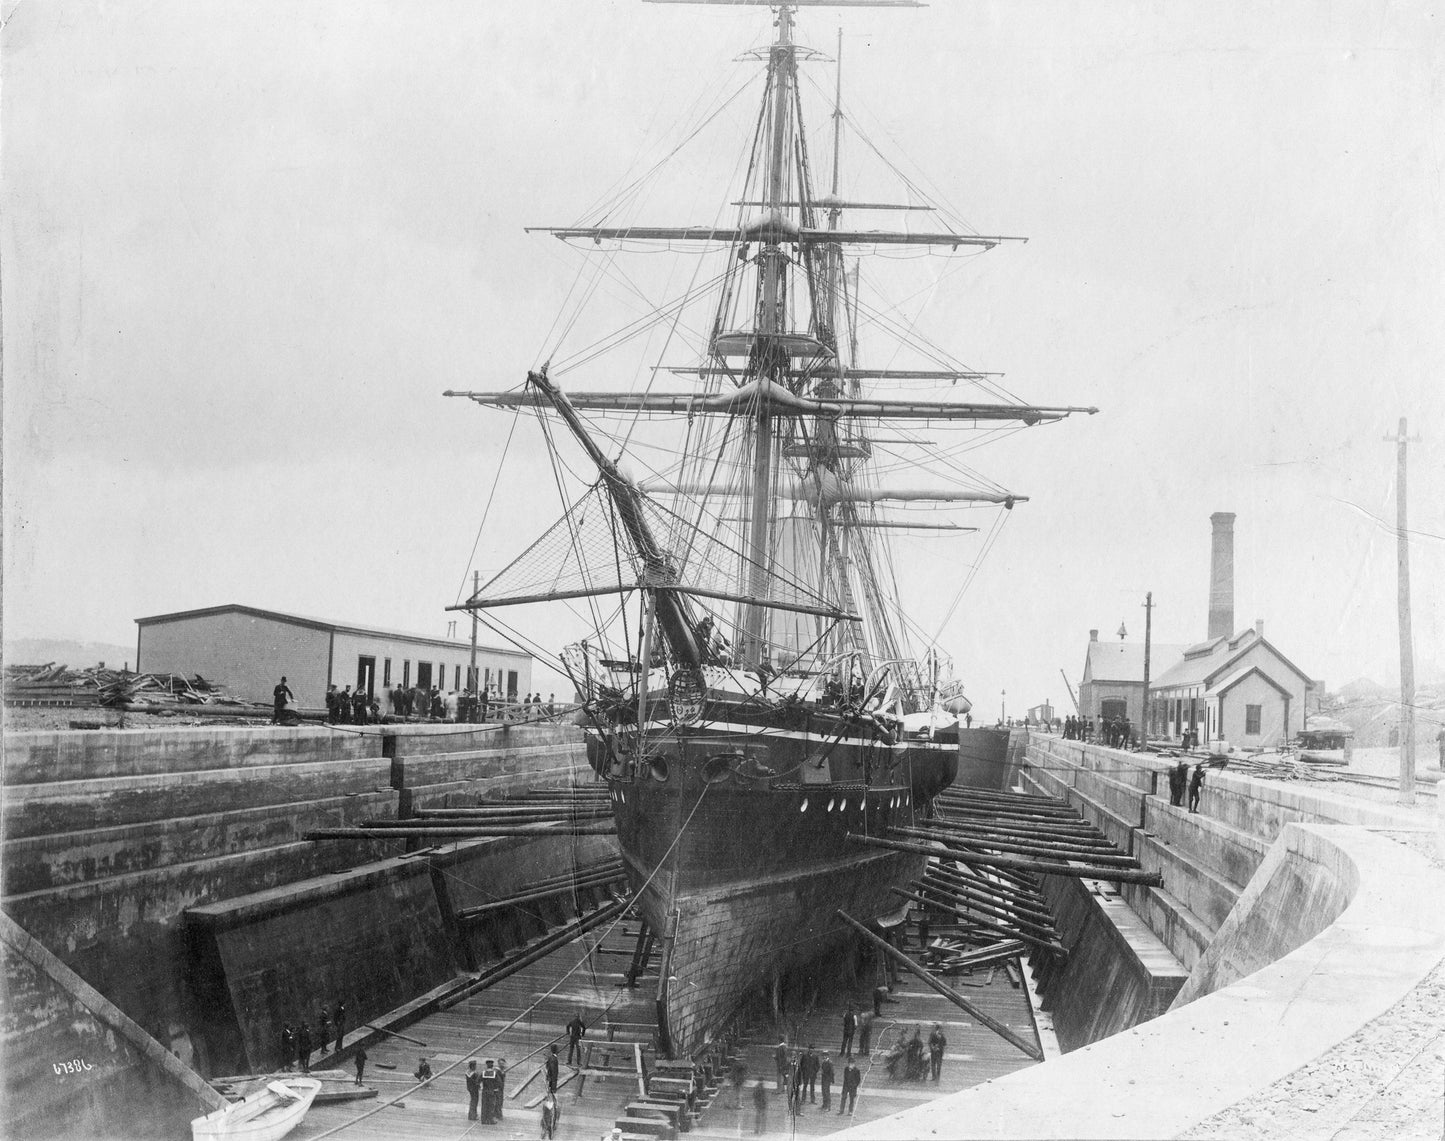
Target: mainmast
767, 355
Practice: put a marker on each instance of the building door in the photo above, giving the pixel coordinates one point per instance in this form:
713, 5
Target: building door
1114, 707
366, 675
511, 685
423, 675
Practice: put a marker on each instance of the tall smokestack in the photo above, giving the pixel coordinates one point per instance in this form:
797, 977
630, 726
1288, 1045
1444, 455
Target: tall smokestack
1221, 575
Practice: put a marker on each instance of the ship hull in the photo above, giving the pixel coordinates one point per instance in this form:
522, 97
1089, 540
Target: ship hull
737, 843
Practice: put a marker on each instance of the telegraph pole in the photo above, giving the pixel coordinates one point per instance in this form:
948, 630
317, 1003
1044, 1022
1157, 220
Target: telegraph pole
1148, 630
1407, 641
476, 586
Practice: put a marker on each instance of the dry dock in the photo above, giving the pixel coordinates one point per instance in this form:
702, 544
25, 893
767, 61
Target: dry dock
522, 1017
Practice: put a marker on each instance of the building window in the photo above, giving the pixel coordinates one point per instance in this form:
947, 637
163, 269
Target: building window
511, 685
386, 673
1252, 719
406, 673
457, 679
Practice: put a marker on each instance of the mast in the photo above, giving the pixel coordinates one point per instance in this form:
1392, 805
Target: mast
773, 266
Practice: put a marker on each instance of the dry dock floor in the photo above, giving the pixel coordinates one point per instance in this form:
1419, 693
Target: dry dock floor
519, 1018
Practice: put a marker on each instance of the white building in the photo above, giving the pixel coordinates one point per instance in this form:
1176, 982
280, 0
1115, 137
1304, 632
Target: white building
1238, 689
248, 650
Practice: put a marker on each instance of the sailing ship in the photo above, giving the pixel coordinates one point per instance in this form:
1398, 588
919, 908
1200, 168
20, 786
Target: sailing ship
753, 700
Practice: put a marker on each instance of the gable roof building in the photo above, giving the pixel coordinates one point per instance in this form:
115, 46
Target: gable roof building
1238, 689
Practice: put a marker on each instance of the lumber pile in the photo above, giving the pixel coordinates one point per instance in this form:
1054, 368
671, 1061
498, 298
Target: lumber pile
59, 685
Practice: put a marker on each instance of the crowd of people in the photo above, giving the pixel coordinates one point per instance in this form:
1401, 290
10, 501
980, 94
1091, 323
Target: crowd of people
1115, 732
319, 1034
346, 706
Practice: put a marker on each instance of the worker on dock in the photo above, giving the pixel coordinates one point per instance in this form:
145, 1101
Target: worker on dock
825, 1079
288, 1046
360, 1060
808, 1073
303, 1046
850, 1024
1196, 785
551, 1114
1178, 776
575, 1029
489, 1088
865, 1034
937, 1043
281, 697
422, 1072
474, 1090
553, 1065
852, 1079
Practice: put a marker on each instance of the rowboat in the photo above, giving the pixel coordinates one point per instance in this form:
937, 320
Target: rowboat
266, 1115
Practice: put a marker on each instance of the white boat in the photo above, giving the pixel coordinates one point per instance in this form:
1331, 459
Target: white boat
266, 1115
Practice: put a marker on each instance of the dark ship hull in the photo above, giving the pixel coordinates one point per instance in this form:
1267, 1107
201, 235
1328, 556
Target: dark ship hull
737, 844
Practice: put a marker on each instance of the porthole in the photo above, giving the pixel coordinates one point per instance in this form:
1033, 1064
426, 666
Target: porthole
658, 768
830, 805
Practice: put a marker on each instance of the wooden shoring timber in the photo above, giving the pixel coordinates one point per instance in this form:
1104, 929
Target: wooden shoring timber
989, 796
482, 910
1030, 1048
954, 896
492, 822
1114, 858
1005, 951
1028, 902
961, 909
982, 898
1025, 833
1063, 821
1054, 806
506, 812
459, 832
1042, 867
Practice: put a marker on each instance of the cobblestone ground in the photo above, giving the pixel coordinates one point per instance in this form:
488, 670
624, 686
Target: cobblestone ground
1387, 1080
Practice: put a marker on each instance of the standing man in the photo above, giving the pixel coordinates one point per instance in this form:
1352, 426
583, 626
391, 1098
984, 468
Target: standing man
501, 1088
808, 1071
936, 1045
552, 1067
359, 702
780, 1059
303, 1046
281, 696
825, 1078
339, 1019
575, 1029
423, 1071
850, 1024
852, 1079
865, 1034
489, 1086
323, 1030
551, 1114
474, 1090
1196, 784
288, 1046
360, 1062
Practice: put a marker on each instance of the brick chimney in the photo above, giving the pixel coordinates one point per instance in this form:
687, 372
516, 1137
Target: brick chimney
1221, 575
1093, 635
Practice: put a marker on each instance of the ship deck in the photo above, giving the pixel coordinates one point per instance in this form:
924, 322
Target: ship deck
519, 1018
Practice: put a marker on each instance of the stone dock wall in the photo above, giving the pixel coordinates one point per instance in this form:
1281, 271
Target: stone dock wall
167, 870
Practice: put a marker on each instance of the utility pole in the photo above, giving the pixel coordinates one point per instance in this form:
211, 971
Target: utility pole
1148, 632
476, 586
1407, 641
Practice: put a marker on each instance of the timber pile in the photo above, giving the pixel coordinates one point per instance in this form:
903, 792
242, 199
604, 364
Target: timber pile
53, 684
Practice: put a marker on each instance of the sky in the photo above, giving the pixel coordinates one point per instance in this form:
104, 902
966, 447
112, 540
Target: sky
246, 245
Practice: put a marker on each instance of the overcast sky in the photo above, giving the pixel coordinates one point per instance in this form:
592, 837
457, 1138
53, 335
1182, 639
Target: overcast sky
246, 245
